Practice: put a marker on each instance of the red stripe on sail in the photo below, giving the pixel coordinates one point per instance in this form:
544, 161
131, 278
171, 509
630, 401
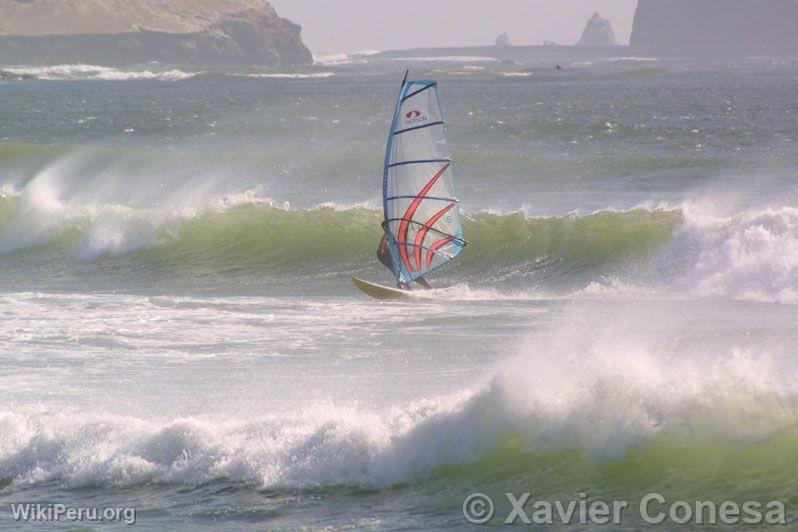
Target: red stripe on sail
411, 210
422, 234
435, 247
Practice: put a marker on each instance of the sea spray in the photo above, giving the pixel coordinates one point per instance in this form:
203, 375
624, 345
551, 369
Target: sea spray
749, 255
616, 405
502, 245
180, 332
746, 256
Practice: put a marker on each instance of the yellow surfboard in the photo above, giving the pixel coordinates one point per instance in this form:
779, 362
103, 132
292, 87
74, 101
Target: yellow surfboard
384, 293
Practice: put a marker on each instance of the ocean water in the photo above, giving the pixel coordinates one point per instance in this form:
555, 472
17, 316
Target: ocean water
179, 332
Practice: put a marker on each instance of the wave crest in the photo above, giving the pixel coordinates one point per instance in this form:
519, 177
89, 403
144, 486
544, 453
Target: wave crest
752, 255
251, 235
73, 72
593, 399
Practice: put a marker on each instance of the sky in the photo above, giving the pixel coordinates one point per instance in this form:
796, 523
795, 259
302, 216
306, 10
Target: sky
359, 25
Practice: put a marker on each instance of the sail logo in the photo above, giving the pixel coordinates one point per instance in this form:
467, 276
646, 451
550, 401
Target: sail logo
414, 117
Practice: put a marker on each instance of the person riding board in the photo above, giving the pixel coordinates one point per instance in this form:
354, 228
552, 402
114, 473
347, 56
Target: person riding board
384, 256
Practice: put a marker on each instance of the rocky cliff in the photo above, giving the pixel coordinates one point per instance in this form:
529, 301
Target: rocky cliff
745, 26
202, 32
598, 32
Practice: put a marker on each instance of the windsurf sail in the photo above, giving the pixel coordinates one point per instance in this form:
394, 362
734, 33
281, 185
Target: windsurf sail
422, 213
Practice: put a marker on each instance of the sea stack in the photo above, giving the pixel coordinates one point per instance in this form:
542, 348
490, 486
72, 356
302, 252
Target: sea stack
118, 32
598, 32
721, 26
503, 40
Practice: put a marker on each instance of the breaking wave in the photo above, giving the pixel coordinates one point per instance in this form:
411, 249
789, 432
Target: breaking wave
689, 247
446, 59
338, 59
598, 404
76, 72
257, 234
290, 75
752, 255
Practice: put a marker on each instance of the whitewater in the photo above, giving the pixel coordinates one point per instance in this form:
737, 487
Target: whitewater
179, 331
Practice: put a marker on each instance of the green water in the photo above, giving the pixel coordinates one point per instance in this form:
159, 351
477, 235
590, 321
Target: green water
180, 334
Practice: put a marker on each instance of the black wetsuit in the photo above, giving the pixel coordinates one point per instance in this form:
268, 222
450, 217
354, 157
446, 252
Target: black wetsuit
384, 253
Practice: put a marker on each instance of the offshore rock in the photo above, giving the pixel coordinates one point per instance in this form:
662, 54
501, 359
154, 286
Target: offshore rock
598, 32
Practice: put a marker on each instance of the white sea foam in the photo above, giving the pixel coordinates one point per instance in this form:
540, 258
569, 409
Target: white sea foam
515, 74
369, 205
47, 207
168, 75
591, 385
447, 59
41, 212
58, 71
637, 59
606, 385
605, 287
115, 230
94, 72
337, 59
751, 255
8, 190
290, 75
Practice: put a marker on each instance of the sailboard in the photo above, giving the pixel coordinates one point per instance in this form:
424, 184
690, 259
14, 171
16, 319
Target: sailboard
384, 293
422, 213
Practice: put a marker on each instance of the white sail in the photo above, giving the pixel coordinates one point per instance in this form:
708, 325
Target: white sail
421, 210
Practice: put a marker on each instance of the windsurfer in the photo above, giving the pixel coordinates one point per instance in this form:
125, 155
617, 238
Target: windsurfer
384, 256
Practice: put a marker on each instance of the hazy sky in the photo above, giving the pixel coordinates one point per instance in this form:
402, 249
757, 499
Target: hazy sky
354, 25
